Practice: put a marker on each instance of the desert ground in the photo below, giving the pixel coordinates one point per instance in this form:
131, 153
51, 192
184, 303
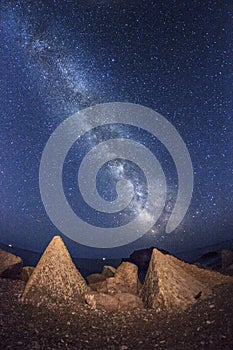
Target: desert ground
208, 324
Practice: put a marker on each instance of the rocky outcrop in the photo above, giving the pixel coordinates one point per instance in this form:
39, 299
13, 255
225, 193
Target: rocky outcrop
55, 279
216, 260
101, 301
116, 302
10, 265
125, 280
141, 258
129, 301
171, 284
26, 273
210, 260
108, 271
95, 278
127, 275
116, 293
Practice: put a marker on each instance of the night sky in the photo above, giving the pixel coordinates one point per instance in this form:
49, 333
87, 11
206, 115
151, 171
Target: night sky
59, 57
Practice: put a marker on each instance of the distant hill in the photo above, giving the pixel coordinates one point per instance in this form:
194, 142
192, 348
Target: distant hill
88, 266
85, 266
196, 254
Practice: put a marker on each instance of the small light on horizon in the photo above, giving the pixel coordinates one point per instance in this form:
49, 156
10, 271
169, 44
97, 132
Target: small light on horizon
103, 258
10, 245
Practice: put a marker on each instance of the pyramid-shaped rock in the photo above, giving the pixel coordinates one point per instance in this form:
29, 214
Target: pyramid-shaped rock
172, 284
10, 265
55, 279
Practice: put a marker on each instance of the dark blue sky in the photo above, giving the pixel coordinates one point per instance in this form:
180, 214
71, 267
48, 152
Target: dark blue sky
59, 57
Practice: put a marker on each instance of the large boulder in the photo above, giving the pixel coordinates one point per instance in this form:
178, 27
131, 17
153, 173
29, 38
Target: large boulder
141, 258
125, 280
108, 271
172, 284
127, 275
116, 293
127, 301
101, 301
55, 279
10, 265
95, 277
26, 273
117, 302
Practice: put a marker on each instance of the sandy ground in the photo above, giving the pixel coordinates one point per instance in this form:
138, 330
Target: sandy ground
206, 325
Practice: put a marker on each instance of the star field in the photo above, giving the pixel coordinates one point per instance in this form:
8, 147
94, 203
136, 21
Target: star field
59, 57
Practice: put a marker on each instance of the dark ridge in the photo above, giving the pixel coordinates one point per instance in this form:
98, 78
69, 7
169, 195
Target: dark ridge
85, 266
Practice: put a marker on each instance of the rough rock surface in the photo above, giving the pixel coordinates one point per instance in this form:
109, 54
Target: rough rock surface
129, 301
172, 284
101, 301
127, 274
116, 302
10, 265
141, 258
206, 325
125, 280
96, 277
108, 271
111, 286
55, 279
98, 286
26, 273
116, 293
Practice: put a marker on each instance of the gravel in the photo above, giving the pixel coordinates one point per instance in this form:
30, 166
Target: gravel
206, 325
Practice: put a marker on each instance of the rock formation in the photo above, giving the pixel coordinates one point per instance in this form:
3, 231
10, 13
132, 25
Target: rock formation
125, 280
55, 279
116, 293
127, 275
172, 284
108, 271
10, 265
141, 258
116, 302
95, 278
102, 301
26, 273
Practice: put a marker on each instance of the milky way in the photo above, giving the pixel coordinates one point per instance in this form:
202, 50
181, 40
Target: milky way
172, 56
